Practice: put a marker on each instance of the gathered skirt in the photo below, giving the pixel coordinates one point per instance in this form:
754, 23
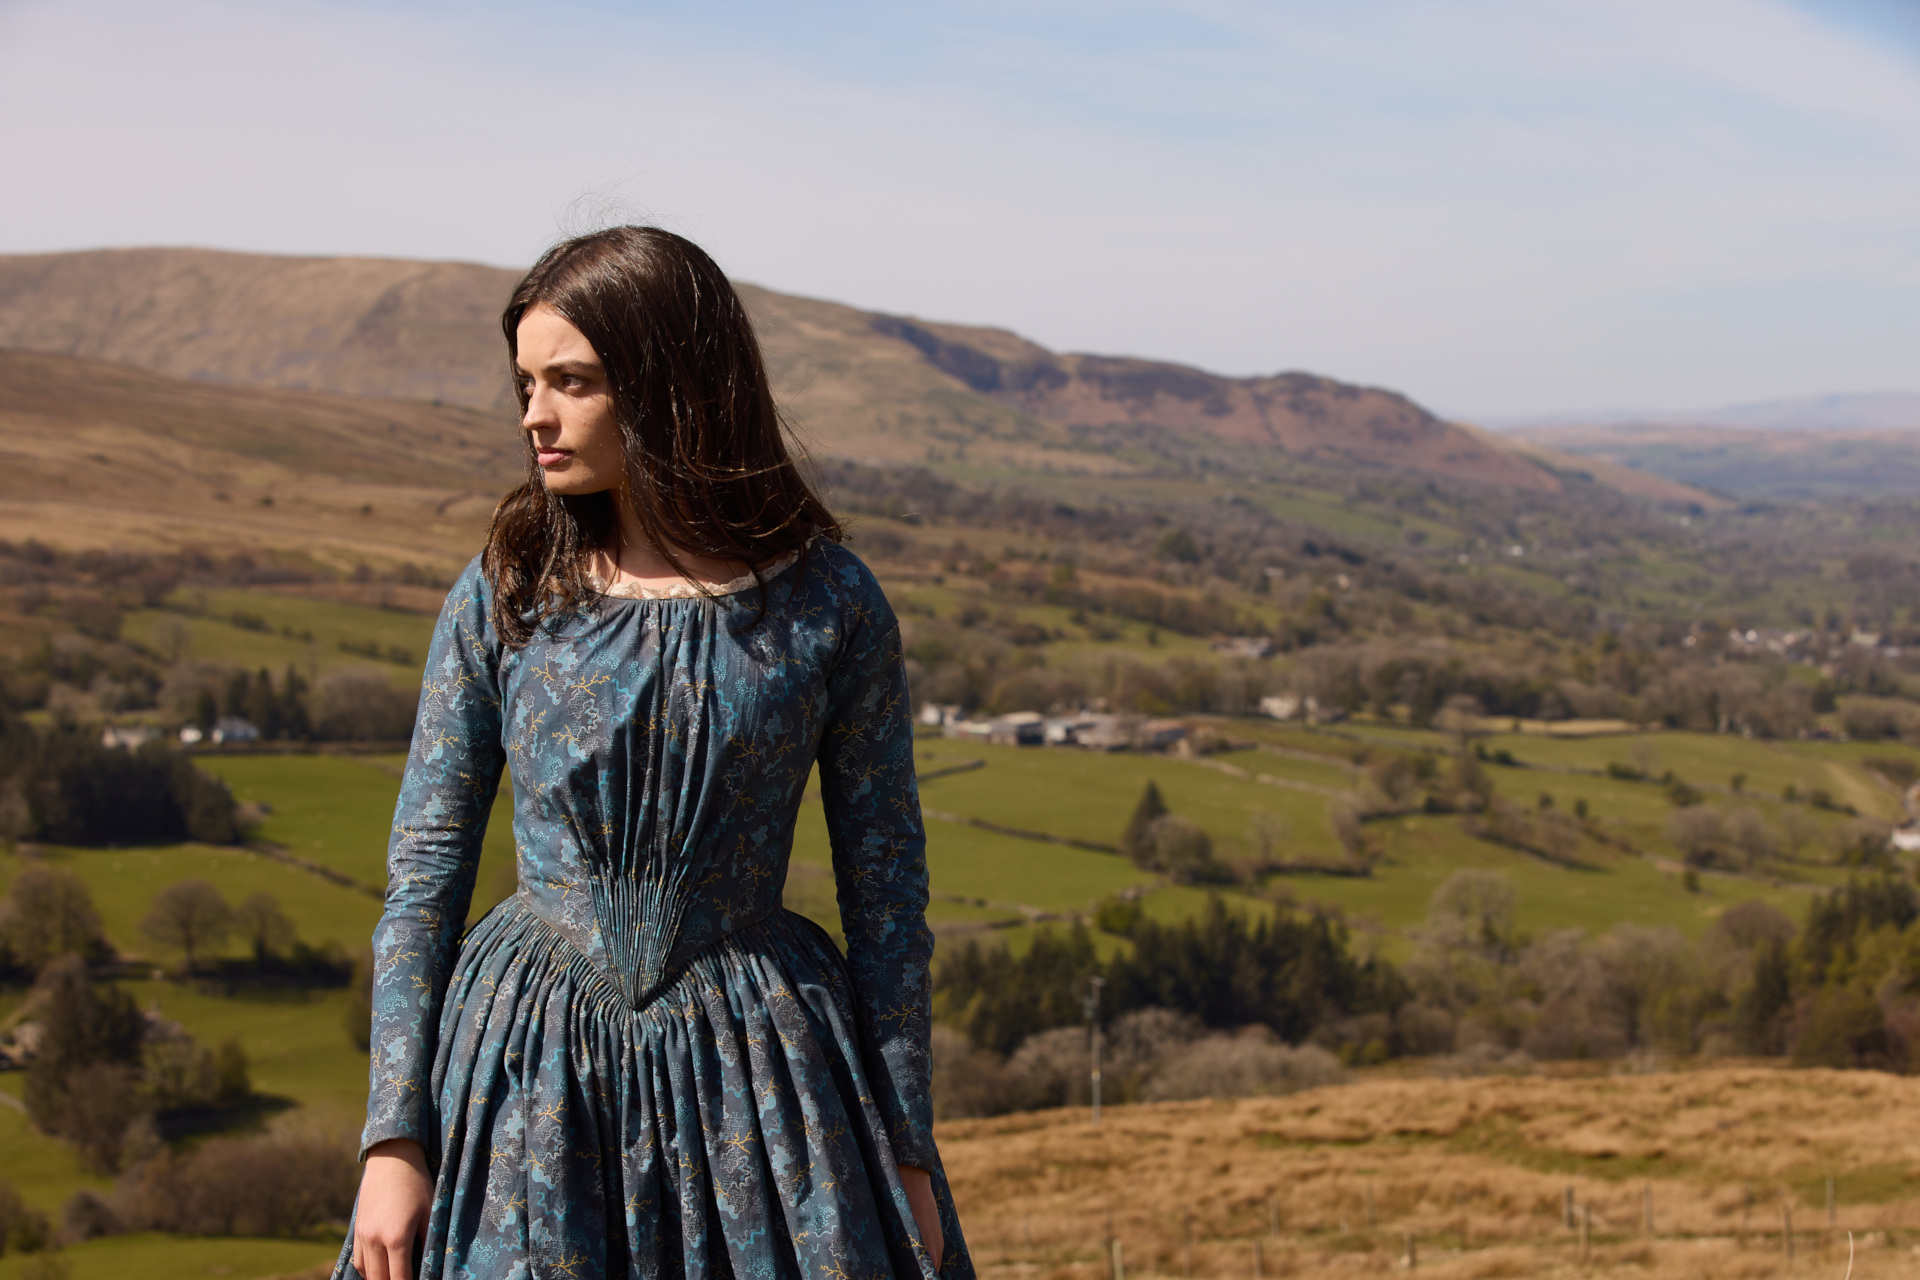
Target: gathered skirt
726, 1129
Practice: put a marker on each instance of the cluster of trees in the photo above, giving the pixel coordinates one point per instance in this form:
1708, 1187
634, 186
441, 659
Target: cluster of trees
102, 1069
1246, 989
48, 914
283, 1184
352, 704
63, 785
1842, 990
1224, 1005
108, 1078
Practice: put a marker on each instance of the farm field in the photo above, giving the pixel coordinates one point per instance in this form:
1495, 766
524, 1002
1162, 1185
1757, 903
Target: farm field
998, 885
152, 1256
1684, 1175
253, 629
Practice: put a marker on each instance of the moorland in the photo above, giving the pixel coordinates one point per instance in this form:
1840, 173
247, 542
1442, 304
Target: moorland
1570, 746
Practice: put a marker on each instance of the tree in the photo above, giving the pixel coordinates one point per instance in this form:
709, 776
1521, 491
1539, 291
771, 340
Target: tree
1182, 850
261, 922
189, 917
1135, 841
49, 913
83, 1085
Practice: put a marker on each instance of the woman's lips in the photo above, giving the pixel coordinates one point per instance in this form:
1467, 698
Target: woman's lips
551, 457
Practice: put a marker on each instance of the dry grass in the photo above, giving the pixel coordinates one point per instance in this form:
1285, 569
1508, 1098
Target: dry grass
1476, 1171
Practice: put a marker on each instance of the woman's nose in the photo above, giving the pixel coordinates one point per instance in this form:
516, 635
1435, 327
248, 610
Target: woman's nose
540, 411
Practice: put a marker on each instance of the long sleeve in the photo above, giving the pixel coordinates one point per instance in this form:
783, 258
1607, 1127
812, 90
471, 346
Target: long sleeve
453, 770
880, 862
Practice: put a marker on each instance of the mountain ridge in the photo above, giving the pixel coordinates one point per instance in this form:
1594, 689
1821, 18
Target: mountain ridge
864, 385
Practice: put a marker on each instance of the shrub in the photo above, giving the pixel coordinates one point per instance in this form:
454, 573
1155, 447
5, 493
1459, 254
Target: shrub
1183, 851
275, 1186
23, 1229
189, 916
1249, 1063
49, 913
360, 704
87, 1217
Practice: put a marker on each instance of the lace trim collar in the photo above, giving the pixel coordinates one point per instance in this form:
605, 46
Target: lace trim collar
684, 590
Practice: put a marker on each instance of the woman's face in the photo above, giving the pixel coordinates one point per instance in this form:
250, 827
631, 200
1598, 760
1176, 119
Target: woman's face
569, 406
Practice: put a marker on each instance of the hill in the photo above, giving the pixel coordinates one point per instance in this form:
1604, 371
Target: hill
1746, 462
105, 455
865, 386
1678, 1174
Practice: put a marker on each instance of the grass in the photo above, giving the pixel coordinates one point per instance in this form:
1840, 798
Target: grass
124, 881
1422, 851
287, 630
152, 1256
1475, 1171
1088, 795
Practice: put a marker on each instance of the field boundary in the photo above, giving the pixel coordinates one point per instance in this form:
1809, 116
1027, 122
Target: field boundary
1018, 833
278, 854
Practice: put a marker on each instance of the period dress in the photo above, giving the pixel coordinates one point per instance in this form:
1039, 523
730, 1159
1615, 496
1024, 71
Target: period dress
640, 1064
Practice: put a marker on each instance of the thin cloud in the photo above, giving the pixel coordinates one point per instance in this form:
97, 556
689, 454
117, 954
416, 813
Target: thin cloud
1494, 205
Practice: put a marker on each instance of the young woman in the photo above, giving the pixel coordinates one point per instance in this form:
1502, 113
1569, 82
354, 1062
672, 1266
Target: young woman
640, 1064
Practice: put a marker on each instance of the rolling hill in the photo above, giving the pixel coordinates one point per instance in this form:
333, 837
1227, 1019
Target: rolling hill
1746, 462
860, 385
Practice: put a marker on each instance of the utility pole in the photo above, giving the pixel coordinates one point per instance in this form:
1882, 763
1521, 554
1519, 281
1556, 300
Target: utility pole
1092, 1007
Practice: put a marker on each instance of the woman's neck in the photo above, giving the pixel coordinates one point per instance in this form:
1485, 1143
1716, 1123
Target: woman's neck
635, 561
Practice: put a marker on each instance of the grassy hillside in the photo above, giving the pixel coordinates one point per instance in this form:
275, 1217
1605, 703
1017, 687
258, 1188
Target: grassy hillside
1682, 1175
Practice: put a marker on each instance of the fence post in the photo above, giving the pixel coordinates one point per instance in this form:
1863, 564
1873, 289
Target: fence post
1832, 1208
1566, 1210
1186, 1259
1586, 1233
1273, 1216
1259, 1262
1413, 1254
1786, 1226
1746, 1213
1119, 1264
1113, 1253
1369, 1191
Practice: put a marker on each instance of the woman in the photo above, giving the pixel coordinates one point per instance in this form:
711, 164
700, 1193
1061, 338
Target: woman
640, 1064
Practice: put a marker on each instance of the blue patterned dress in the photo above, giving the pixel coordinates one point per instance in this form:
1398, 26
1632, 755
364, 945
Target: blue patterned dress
640, 1064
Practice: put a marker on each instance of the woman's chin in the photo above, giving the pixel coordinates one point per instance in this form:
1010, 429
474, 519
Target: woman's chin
563, 485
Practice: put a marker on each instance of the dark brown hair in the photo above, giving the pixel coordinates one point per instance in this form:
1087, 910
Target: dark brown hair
708, 468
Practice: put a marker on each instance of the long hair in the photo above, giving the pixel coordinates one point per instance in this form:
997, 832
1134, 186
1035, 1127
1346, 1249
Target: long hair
708, 470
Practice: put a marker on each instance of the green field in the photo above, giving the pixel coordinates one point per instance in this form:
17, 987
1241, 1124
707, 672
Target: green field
336, 811
254, 629
160, 1257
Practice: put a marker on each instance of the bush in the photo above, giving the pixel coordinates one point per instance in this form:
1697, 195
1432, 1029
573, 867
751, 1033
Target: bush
1250, 1063
23, 1229
278, 1186
48, 913
360, 704
189, 916
1183, 851
87, 1217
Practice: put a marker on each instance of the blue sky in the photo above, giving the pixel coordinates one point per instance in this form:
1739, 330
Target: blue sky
1497, 206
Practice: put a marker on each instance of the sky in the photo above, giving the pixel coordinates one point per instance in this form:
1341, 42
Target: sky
1498, 207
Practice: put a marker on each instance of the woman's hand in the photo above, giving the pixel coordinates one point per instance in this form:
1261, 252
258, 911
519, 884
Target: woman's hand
926, 1212
395, 1193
